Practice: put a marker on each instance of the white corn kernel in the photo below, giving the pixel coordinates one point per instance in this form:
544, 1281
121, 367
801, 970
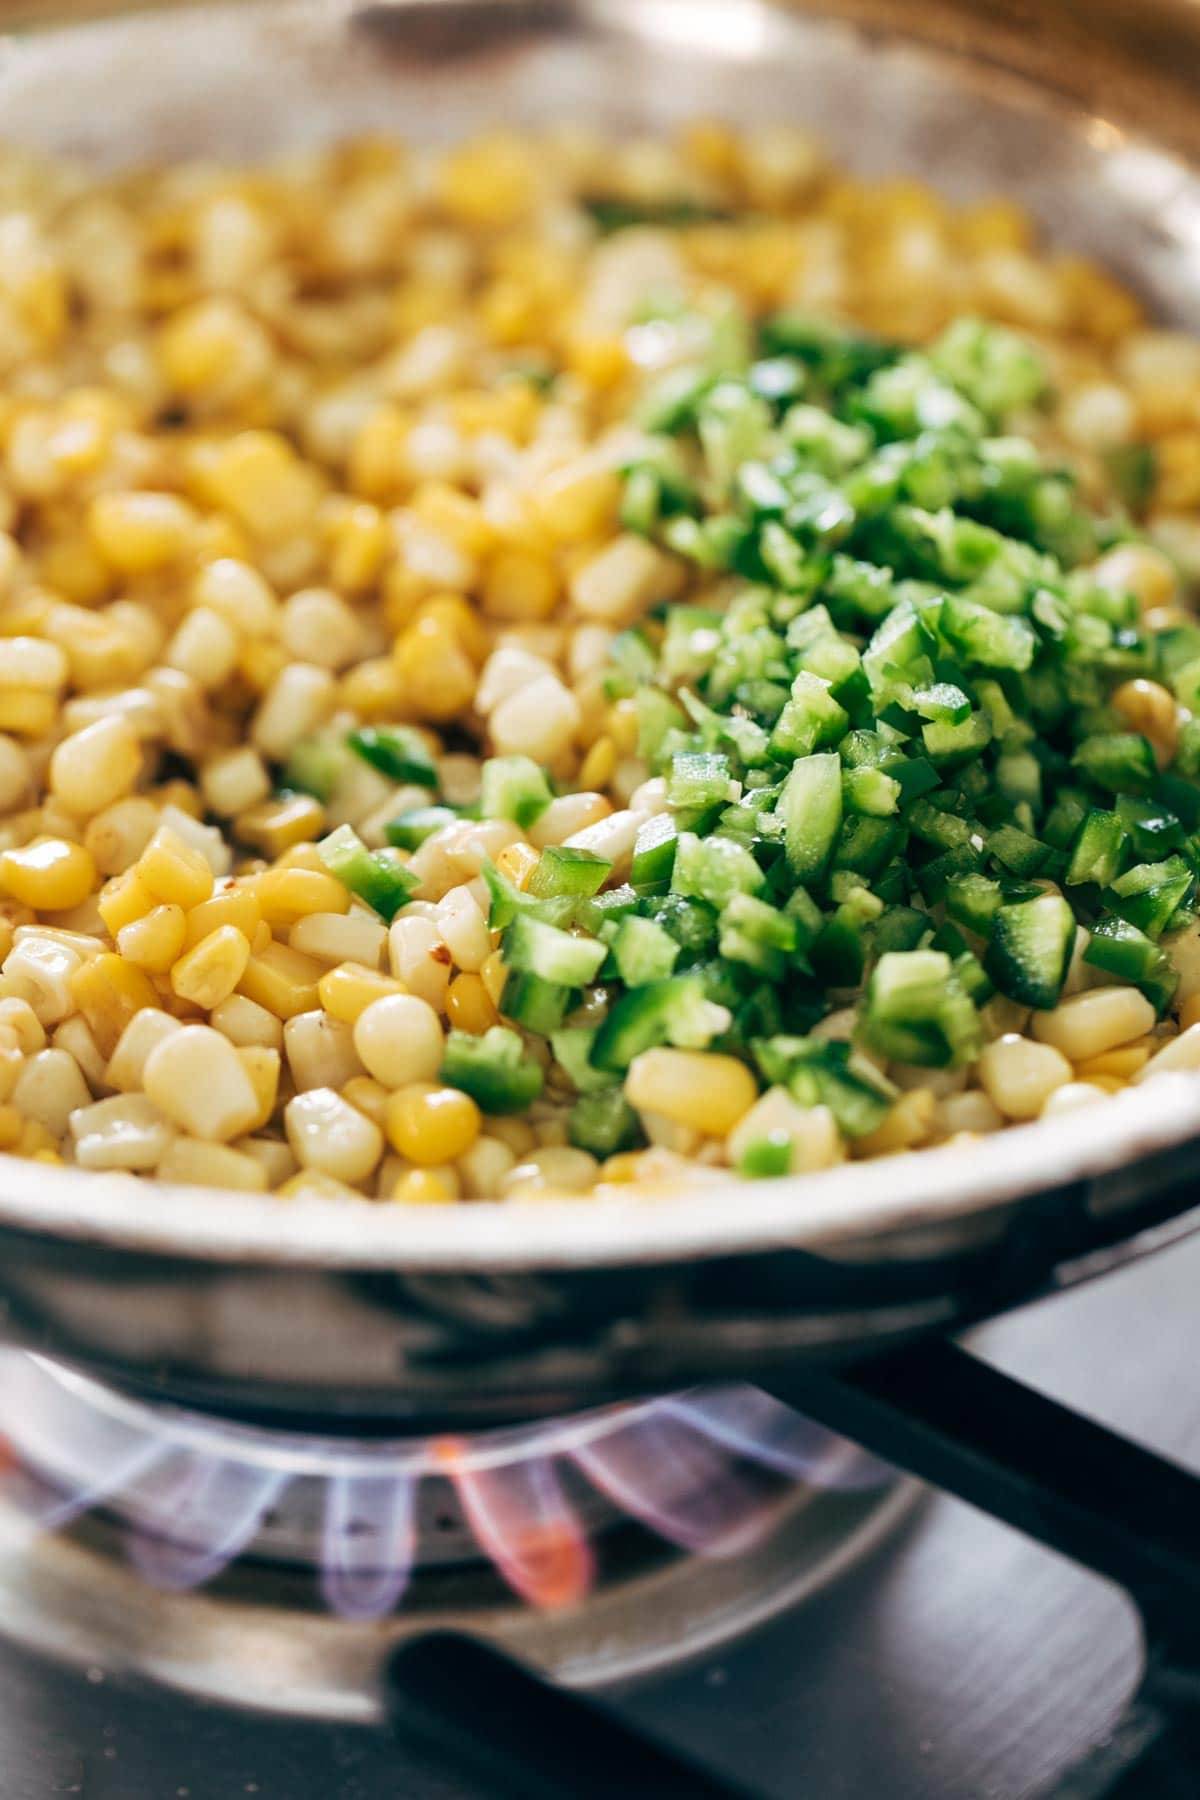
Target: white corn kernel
97, 766
356, 937
195, 1076
49, 1088
399, 1039
1088, 1024
298, 701
42, 969
326, 1133
812, 1132
206, 647
484, 1167
554, 1170
234, 781
464, 929
540, 721
1019, 1075
971, 1111
320, 1051
189, 1162
418, 958
1071, 1097
126, 1132
144, 1032
1182, 1053
244, 1022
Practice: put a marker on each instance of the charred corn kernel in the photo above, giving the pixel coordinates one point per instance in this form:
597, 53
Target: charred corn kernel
351, 988
1019, 1074
108, 991
196, 1077
707, 1092
233, 905
285, 895
1181, 1053
96, 766
192, 1162
352, 937
469, 1006
49, 1089
1122, 1064
122, 900
494, 975
517, 863
144, 1031
173, 871
210, 971
282, 980
430, 1124
125, 1132
245, 1022
274, 826
262, 1064
399, 1039
50, 874
426, 1187
326, 1133
139, 533
368, 1096
418, 957
1089, 1024
320, 1051
155, 940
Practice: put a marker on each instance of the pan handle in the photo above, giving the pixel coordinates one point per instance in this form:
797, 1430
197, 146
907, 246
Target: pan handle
488, 1719
1125, 1513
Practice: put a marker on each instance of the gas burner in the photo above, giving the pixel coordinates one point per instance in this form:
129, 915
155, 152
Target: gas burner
274, 1569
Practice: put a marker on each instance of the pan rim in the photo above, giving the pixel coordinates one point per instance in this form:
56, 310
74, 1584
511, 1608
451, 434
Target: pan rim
851, 1203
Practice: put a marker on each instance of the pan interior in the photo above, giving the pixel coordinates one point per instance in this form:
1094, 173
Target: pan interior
243, 81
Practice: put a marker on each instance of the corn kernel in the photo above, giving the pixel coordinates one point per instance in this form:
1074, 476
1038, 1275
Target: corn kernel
349, 989
50, 874
425, 1187
282, 980
174, 872
108, 991
430, 1125
139, 533
705, 1091
326, 1133
196, 1077
469, 1006
210, 971
285, 895
274, 826
233, 905
155, 940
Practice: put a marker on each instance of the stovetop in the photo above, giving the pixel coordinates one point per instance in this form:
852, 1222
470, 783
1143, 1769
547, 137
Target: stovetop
959, 1662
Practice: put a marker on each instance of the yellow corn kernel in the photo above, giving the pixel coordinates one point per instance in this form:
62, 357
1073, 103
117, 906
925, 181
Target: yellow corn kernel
697, 1088
493, 975
1147, 707
11, 1126
29, 712
521, 585
359, 543
236, 906
435, 671
623, 727
469, 1006
600, 361
348, 990
489, 181
599, 765
578, 503
172, 871
300, 856
454, 515
155, 940
287, 894
122, 900
108, 990
516, 862
368, 1096
262, 1065
274, 826
426, 1187
430, 1124
138, 533
1122, 1064
258, 477
210, 971
378, 468
283, 980
50, 874
373, 690
261, 662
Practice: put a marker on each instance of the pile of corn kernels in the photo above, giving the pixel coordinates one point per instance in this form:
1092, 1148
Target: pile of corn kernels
335, 442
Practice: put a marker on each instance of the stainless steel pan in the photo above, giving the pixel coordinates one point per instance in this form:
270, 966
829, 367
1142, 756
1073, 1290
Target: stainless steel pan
1088, 115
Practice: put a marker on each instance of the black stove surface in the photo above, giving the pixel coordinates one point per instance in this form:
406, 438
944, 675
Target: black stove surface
960, 1662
